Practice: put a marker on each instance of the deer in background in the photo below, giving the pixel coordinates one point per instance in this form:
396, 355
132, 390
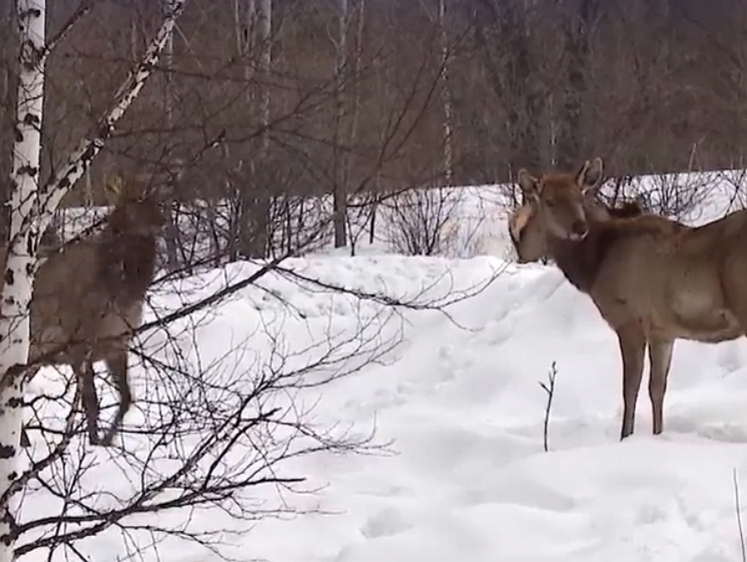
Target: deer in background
87, 300
654, 280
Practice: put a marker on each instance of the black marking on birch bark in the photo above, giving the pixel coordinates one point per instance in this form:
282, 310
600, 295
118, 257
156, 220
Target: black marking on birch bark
13, 476
15, 402
10, 277
30, 13
7, 452
28, 170
104, 132
17, 134
31, 56
7, 540
88, 154
31, 119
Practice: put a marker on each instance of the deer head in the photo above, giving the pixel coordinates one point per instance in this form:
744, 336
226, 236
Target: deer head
137, 210
559, 198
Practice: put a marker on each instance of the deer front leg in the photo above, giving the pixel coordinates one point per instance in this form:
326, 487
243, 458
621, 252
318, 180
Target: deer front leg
117, 365
632, 347
660, 355
85, 373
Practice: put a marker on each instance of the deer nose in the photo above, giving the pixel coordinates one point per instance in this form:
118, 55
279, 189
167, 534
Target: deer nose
579, 229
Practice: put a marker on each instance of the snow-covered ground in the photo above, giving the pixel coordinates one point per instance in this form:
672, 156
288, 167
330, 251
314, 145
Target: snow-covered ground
460, 399
467, 478
470, 480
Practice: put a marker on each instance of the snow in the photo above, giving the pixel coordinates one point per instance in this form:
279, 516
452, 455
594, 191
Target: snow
464, 476
470, 480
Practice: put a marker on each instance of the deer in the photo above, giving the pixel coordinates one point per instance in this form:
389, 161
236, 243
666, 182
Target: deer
654, 280
87, 300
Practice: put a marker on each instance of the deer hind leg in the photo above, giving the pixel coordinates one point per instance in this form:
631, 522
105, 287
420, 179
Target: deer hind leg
660, 355
632, 347
117, 365
85, 373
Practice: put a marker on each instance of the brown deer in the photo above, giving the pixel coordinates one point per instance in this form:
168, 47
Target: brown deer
87, 301
654, 280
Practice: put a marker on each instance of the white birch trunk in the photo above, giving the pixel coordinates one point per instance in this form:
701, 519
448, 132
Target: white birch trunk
19, 267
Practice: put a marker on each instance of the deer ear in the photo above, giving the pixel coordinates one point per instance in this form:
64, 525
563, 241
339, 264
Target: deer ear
528, 184
589, 177
518, 220
114, 186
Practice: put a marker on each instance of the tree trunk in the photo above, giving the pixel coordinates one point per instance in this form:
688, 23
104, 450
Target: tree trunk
448, 167
339, 189
20, 264
254, 207
577, 51
171, 231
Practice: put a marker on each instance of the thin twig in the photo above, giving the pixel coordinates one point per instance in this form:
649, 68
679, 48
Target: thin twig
549, 388
739, 516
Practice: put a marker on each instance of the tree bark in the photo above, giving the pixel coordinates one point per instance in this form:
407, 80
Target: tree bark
20, 265
339, 188
448, 165
171, 232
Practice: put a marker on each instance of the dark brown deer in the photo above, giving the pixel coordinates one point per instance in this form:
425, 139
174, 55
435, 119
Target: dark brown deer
653, 280
87, 301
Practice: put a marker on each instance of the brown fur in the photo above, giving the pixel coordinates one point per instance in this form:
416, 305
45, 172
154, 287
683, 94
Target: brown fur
87, 301
653, 280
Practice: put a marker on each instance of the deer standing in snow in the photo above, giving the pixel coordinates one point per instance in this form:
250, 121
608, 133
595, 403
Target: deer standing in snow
87, 300
654, 280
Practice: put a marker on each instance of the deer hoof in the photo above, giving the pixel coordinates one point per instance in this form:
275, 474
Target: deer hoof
107, 440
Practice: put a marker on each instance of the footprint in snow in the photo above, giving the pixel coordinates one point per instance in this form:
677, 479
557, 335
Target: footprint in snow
730, 358
385, 523
723, 432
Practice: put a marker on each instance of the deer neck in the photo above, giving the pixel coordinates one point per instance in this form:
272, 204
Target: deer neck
581, 260
126, 265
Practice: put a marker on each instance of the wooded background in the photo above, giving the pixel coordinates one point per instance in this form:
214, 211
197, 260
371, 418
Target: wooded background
261, 98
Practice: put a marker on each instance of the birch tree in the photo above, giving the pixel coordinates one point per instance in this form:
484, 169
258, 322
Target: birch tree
31, 211
19, 267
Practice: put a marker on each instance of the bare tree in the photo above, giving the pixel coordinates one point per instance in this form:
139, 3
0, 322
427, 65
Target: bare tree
339, 188
446, 101
420, 220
